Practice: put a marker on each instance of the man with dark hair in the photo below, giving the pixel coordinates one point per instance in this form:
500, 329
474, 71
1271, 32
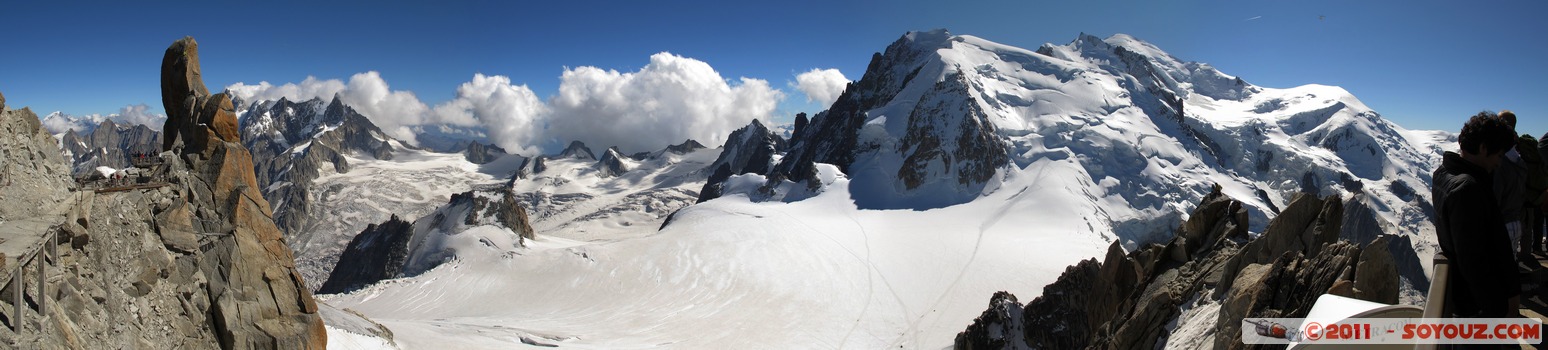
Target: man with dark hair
1469, 224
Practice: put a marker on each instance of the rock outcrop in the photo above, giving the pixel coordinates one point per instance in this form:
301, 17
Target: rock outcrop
688, 146
396, 248
749, 149
33, 173
612, 163
194, 262
258, 300
375, 254
933, 146
1127, 300
576, 150
479, 153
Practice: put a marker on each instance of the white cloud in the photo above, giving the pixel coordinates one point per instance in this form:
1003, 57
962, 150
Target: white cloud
669, 100
139, 114
821, 85
308, 89
396, 112
130, 115
511, 114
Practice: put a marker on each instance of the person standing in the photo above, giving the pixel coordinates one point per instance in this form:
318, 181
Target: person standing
1535, 182
1470, 225
1510, 188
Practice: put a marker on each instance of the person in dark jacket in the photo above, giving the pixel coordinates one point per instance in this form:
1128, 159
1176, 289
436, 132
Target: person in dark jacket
1542, 201
1469, 224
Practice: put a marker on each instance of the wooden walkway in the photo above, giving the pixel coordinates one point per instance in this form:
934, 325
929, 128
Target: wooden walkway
130, 187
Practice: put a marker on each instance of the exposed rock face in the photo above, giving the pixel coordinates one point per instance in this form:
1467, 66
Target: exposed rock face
196, 120
110, 145
943, 152
800, 123
397, 248
612, 163
688, 146
1001, 324
577, 150
479, 153
749, 149
833, 135
949, 138
34, 174
1127, 300
375, 254
296, 142
196, 263
257, 298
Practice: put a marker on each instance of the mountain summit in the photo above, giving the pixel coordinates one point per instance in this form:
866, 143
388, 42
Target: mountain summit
941, 119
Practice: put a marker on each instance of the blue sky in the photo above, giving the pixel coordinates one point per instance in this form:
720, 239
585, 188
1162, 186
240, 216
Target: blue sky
1423, 64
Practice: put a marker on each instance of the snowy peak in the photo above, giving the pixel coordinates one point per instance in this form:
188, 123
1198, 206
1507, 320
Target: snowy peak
688, 146
612, 163
937, 118
928, 40
294, 143
576, 150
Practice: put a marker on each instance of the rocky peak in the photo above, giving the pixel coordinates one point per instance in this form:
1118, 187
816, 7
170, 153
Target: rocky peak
800, 122
254, 266
749, 149
688, 146
377, 253
1127, 300
296, 142
195, 119
612, 163
576, 150
32, 171
479, 153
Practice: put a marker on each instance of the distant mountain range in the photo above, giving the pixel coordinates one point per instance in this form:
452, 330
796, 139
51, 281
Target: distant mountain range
954, 168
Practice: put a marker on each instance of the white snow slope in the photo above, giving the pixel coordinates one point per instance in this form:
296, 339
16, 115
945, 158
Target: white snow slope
1089, 166
410, 185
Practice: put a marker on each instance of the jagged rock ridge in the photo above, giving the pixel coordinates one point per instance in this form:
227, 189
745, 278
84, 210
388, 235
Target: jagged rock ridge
1127, 300
110, 145
396, 248
296, 141
195, 263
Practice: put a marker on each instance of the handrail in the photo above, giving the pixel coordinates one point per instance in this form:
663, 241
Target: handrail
1435, 302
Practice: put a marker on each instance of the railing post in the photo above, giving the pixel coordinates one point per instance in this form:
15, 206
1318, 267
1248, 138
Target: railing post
43, 275
18, 284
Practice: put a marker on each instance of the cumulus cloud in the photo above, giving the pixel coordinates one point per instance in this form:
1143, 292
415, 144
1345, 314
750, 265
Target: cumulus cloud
139, 114
821, 85
511, 114
672, 99
306, 90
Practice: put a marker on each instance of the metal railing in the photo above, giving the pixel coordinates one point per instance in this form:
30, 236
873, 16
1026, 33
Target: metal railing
1435, 300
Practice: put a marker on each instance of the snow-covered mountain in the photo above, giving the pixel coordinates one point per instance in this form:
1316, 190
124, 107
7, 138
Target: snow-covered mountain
1012, 164
1151, 132
330, 172
578, 196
